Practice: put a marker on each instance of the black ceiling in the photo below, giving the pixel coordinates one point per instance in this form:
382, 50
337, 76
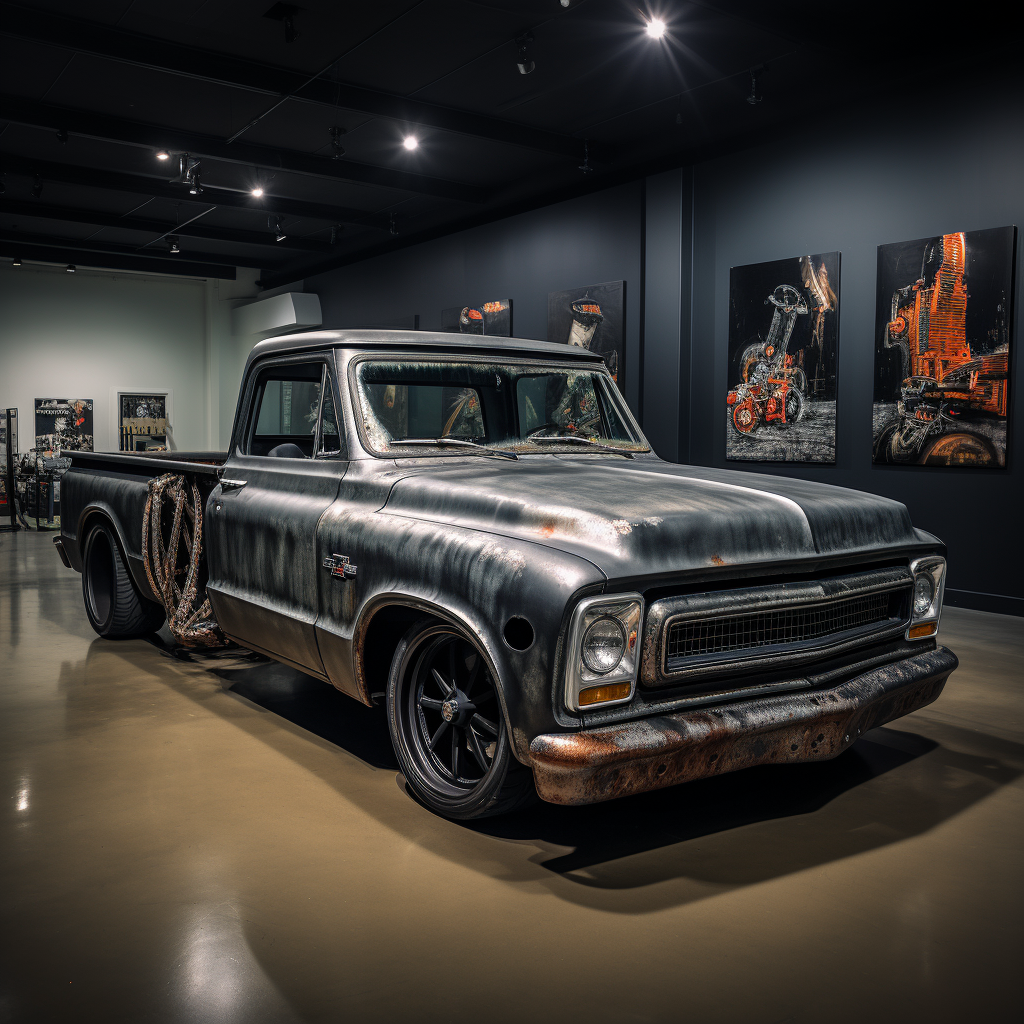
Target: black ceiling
90, 91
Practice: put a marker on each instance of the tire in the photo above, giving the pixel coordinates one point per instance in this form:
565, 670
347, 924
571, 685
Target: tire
794, 408
959, 448
798, 379
744, 420
472, 774
116, 609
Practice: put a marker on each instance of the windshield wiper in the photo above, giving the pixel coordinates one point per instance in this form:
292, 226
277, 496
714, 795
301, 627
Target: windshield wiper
576, 439
457, 442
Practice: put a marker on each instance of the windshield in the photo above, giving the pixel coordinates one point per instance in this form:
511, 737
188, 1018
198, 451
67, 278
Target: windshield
409, 406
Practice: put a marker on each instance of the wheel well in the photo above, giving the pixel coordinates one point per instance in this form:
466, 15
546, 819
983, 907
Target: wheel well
385, 630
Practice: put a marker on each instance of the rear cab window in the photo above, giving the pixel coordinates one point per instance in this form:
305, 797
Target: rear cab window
293, 413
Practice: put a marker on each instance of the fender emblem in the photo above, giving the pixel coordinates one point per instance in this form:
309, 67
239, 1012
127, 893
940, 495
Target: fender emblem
339, 565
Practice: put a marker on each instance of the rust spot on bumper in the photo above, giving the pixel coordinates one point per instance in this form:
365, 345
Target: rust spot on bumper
650, 753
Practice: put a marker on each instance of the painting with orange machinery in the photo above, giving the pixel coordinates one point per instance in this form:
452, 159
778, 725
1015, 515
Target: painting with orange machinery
942, 362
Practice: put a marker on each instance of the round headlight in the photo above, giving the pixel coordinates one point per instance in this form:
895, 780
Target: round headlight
924, 591
604, 644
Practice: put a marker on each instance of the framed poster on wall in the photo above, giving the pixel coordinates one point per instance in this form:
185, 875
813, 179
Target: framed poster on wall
783, 356
491, 318
141, 419
943, 332
592, 317
63, 424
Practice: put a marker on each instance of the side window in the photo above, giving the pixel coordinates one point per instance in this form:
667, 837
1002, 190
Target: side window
286, 410
330, 437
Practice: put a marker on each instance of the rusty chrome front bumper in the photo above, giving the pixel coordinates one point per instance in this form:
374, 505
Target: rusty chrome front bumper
650, 753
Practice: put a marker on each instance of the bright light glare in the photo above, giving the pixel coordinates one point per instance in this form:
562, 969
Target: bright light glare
257, 191
410, 142
163, 155
655, 28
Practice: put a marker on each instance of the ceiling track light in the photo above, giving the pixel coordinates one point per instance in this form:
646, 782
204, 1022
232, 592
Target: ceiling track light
16, 262
162, 154
337, 149
172, 244
585, 166
285, 13
70, 268
755, 96
257, 192
62, 135
336, 230
656, 28
37, 186
394, 225
274, 224
410, 142
525, 61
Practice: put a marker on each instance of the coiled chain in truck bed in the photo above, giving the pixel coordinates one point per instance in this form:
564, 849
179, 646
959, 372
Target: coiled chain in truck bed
174, 569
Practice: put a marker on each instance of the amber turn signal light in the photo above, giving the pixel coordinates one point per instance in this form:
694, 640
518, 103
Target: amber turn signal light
603, 694
925, 629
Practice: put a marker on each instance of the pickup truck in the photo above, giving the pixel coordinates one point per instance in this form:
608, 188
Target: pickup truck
475, 533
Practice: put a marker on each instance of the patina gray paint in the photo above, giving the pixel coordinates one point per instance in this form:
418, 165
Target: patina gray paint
478, 540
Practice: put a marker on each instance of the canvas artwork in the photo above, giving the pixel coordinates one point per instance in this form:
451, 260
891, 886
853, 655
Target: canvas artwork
63, 424
592, 317
942, 349
142, 419
491, 318
783, 355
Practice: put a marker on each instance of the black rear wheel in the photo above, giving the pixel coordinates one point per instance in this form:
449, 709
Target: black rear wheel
447, 726
116, 609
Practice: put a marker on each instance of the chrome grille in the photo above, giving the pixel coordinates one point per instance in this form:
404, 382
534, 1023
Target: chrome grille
729, 633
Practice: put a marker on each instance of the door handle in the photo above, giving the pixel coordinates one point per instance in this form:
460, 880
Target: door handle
230, 486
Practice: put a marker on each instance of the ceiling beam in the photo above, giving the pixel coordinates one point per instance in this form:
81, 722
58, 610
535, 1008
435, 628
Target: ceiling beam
161, 188
169, 265
150, 52
149, 136
143, 252
73, 215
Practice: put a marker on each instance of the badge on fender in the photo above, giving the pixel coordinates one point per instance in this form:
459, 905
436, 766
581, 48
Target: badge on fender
339, 565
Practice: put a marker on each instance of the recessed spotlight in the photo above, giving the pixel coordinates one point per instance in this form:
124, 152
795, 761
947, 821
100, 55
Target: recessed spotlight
410, 142
655, 28
70, 268
257, 192
162, 154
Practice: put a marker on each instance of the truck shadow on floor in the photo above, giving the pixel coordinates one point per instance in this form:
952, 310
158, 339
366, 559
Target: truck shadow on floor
734, 829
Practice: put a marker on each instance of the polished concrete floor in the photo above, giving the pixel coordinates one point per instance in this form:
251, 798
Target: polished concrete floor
220, 839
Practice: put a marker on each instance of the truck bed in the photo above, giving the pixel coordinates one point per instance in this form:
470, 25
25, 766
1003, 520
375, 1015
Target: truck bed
154, 464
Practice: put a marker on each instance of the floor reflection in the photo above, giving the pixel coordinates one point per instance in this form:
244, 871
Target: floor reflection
735, 829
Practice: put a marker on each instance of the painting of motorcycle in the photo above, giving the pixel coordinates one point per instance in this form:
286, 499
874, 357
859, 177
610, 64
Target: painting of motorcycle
592, 317
493, 318
942, 349
783, 353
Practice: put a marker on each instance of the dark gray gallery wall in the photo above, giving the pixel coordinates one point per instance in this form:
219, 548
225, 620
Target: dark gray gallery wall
902, 169
583, 241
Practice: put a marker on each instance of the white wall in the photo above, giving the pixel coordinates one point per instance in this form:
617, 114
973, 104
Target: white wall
81, 335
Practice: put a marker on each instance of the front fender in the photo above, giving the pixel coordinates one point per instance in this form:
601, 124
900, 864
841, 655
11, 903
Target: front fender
471, 578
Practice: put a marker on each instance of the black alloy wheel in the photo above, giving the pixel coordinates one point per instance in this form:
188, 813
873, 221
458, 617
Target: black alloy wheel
113, 604
448, 728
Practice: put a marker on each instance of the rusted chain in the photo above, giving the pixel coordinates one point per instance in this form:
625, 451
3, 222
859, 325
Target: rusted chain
190, 621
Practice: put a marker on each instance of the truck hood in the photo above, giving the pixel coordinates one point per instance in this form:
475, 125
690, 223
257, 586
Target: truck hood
646, 517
